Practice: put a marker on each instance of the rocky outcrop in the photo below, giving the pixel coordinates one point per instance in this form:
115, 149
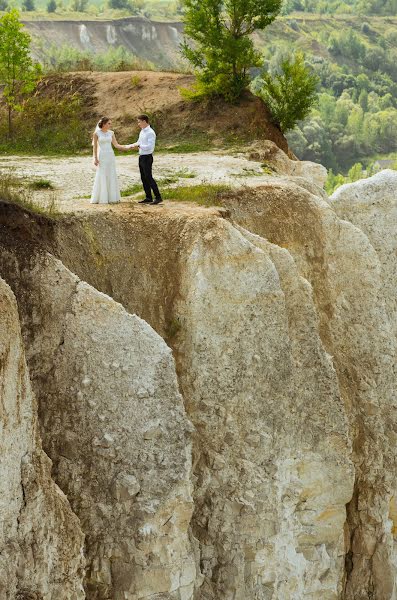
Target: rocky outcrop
279, 319
40, 538
114, 425
273, 157
268, 426
272, 446
344, 271
371, 205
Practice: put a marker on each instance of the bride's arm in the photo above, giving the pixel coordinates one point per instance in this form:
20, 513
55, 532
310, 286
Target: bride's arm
117, 145
95, 149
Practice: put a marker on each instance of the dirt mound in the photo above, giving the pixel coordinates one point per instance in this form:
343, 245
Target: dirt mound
124, 95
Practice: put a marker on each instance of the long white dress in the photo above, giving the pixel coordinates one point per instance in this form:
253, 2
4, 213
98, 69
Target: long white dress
106, 186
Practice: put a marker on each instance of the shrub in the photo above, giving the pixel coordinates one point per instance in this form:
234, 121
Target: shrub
290, 94
28, 5
51, 6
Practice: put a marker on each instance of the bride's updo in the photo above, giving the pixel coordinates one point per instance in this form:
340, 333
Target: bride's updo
102, 121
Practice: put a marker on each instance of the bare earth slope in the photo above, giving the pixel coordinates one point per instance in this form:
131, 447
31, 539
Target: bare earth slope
124, 95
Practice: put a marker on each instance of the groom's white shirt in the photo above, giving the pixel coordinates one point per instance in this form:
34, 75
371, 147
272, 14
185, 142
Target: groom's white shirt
146, 141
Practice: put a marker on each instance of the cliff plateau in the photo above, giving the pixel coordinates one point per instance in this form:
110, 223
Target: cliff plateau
215, 390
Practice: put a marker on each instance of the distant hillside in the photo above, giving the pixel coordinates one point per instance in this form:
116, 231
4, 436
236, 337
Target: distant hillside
151, 41
355, 58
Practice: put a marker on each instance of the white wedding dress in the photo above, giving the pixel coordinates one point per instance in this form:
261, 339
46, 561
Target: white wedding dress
106, 186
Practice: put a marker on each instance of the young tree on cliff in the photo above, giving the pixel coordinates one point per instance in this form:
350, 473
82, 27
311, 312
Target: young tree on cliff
220, 47
18, 73
291, 93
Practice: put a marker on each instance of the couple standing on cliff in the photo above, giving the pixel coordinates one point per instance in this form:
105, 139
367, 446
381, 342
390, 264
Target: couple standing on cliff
106, 188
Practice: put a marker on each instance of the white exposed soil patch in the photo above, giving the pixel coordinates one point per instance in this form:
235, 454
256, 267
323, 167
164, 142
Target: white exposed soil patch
73, 177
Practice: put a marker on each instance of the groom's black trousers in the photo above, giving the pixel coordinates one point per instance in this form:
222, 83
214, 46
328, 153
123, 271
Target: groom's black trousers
149, 184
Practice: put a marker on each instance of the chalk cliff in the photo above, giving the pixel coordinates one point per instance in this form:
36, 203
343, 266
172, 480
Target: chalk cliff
216, 392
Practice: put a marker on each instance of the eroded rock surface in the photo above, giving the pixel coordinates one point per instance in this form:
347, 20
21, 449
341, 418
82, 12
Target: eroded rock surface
280, 319
272, 156
114, 425
41, 541
345, 273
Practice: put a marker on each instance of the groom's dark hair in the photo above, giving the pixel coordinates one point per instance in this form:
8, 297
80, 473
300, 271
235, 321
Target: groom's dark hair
143, 118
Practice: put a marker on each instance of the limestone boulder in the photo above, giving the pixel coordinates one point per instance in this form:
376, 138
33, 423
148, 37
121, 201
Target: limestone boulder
272, 450
272, 156
271, 442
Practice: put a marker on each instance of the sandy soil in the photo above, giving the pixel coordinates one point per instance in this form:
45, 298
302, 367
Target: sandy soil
72, 178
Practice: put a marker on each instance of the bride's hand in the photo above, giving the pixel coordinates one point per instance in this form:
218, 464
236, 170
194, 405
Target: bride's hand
96, 162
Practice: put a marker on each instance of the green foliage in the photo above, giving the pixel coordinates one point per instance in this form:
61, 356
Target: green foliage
290, 93
79, 5
18, 73
129, 5
136, 82
3, 5
359, 7
204, 194
47, 126
220, 47
13, 191
41, 184
67, 58
51, 6
28, 5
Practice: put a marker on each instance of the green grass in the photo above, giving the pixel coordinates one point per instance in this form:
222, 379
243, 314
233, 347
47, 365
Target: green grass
129, 191
41, 184
197, 142
204, 194
12, 190
163, 182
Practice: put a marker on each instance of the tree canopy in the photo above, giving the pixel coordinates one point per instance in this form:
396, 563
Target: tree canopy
219, 44
18, 73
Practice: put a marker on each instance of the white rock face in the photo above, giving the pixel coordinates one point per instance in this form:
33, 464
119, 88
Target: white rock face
41, 541
272, 452
371, 205
114, 424
345, 273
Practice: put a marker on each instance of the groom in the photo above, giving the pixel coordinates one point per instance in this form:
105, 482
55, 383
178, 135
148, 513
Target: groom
146, 144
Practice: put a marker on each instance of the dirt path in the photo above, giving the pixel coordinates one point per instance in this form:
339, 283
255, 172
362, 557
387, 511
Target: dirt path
73, 177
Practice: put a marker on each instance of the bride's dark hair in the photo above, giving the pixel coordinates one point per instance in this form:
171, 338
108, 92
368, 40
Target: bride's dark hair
102, 121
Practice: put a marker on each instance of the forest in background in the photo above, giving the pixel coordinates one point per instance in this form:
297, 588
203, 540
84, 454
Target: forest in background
351, 45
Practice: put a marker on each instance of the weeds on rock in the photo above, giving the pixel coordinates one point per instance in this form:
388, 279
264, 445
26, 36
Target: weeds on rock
13, 190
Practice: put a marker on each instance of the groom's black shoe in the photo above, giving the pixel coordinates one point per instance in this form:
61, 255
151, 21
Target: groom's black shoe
157, 201
145, 201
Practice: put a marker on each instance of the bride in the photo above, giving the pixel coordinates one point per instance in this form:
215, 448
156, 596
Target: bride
106, 186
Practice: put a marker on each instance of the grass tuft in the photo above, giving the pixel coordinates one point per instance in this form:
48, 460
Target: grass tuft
41, 184
204, 194
13, 192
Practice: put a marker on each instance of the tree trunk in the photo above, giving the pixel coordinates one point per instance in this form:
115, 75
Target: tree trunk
10, 122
